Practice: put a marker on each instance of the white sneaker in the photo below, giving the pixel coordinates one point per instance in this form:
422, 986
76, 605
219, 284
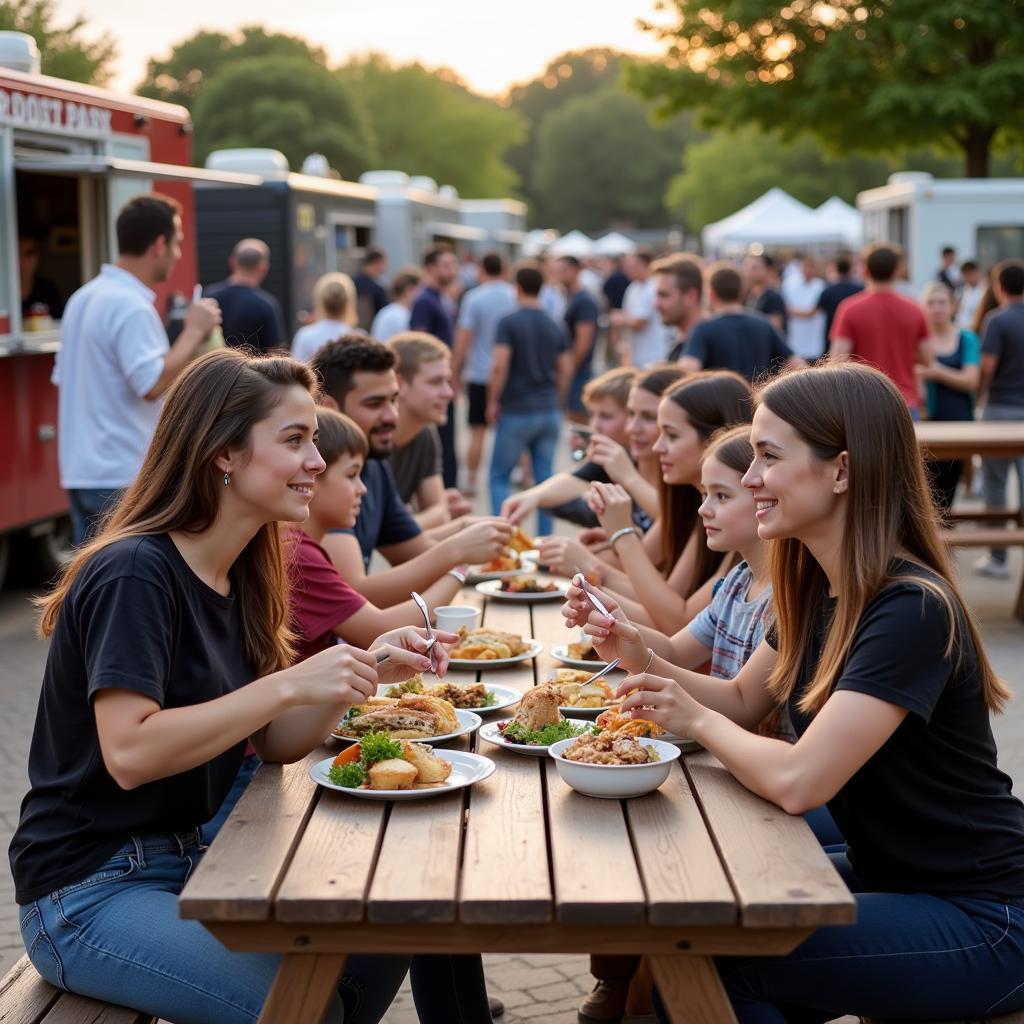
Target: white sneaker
988, 566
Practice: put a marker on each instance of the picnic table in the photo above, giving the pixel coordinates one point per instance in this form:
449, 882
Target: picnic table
954, 439
518, 863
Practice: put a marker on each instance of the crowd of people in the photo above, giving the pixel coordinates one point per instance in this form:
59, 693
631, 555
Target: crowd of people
763, 533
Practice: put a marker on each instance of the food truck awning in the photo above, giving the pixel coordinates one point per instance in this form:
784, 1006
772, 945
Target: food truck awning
97, 164
462, 232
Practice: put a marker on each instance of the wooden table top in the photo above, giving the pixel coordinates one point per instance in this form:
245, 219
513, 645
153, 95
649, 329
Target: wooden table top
948, 439
520, 848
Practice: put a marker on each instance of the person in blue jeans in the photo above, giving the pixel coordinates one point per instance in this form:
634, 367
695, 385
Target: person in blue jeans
170, 648
531, 370
880, 666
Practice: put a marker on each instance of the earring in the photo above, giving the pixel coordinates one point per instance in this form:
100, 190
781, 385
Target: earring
227, 479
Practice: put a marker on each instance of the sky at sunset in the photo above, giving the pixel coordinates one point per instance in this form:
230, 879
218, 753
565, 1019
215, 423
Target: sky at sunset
482, 41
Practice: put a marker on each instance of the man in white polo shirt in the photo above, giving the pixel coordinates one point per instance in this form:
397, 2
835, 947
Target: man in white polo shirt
115, 362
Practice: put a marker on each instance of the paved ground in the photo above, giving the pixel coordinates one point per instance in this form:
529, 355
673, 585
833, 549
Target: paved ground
534, 988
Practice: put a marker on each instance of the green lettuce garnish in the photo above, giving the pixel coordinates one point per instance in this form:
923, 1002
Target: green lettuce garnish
561, 730
351, 775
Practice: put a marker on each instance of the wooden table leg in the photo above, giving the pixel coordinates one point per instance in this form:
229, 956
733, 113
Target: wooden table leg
303, 988
691, 990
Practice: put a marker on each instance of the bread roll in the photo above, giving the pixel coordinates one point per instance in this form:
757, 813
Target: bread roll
393, 774
431, 768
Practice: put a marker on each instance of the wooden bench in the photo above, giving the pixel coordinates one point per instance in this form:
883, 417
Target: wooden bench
987, 515
25, 998
990, 538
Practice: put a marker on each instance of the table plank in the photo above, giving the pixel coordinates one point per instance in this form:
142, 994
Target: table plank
679, 865
960, 440
239, 874
592, 861
781, 875
330, 873
510, 618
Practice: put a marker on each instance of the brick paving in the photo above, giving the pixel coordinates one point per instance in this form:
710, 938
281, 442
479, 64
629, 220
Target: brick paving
534, 988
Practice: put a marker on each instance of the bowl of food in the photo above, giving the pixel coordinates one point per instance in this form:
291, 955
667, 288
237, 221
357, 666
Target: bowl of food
613, 767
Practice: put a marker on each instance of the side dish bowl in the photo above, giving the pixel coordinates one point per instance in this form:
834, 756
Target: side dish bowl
615, 781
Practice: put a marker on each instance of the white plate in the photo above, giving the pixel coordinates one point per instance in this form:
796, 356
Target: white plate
615, 781
468, 722
533, 649
507, 696
492, 589
467, 769
490, 734
561, 653
478, 575
570, 711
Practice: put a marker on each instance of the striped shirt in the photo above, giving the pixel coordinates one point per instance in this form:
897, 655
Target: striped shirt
731, 625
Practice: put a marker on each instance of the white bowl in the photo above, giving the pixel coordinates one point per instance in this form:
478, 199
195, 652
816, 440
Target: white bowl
615, 781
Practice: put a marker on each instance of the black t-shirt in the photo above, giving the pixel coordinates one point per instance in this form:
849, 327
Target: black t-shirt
44, 293
829, 299
137, 618
770, 303
930, 811
250, 317
371, 296
414, 462
536, 342
614, 288
748, 344
582, 309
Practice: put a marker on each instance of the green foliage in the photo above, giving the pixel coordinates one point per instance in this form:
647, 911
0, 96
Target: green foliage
567, 76
878, 77
196, 61
351, 775
601, 161
428, 122
63, 51
285, 103
378, 746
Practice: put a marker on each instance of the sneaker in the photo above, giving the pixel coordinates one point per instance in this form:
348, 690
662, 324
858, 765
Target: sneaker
606, 1004
988, 566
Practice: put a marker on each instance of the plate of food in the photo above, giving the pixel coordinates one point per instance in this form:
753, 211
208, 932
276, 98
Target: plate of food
536, 725
524, 588
579, 655
382, 768
578, 696
491, 648
467, 696
613, 766
413, 716
511, 563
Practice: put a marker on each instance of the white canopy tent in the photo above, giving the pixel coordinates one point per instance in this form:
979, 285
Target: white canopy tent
775, 218
538, 240
573, 244
614, 244
836, 215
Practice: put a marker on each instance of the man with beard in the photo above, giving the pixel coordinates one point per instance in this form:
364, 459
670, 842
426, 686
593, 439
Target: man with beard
679, 286
115, 362
359, 379
432, 314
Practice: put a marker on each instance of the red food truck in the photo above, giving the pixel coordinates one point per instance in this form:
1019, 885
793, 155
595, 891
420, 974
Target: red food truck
70, 156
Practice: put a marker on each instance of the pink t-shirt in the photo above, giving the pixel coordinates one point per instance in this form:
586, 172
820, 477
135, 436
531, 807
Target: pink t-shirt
320, 598
885, 329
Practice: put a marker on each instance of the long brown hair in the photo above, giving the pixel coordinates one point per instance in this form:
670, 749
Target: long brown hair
710, 400
890, 512
211, 407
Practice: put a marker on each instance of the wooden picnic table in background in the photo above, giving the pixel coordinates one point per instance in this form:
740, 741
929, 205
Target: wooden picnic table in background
517, 863
953, 439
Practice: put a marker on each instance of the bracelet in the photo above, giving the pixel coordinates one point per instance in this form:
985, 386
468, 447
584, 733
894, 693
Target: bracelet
461, 577
650, 661
622, 533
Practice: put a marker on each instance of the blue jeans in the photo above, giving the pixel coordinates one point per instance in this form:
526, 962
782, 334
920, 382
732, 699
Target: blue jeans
909, 957
996, 472
536, 432
116, 935
87, 507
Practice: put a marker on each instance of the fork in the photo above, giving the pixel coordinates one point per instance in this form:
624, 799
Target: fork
592, 598
431, 639
613, 664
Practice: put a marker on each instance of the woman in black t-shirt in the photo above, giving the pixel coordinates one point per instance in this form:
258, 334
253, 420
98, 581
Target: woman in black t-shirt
881, 667
169, 649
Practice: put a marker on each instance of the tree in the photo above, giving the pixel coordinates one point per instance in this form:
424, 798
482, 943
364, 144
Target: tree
428, 122
572, 74
63, 51
284, 103
601, 161
870, 77
196, 61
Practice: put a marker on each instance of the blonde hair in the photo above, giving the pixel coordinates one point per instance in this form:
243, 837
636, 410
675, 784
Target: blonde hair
937, 288
211, 407
855, 409
334, 295
414, 348
613, 384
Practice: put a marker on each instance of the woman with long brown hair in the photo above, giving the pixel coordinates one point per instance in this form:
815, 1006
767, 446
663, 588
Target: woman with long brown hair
675, 585
170, 647
879, 663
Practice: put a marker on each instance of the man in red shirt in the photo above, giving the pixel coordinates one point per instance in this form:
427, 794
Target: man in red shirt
882, 328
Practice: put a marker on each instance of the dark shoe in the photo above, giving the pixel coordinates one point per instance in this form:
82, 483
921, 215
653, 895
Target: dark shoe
607, 1003
497, 1007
